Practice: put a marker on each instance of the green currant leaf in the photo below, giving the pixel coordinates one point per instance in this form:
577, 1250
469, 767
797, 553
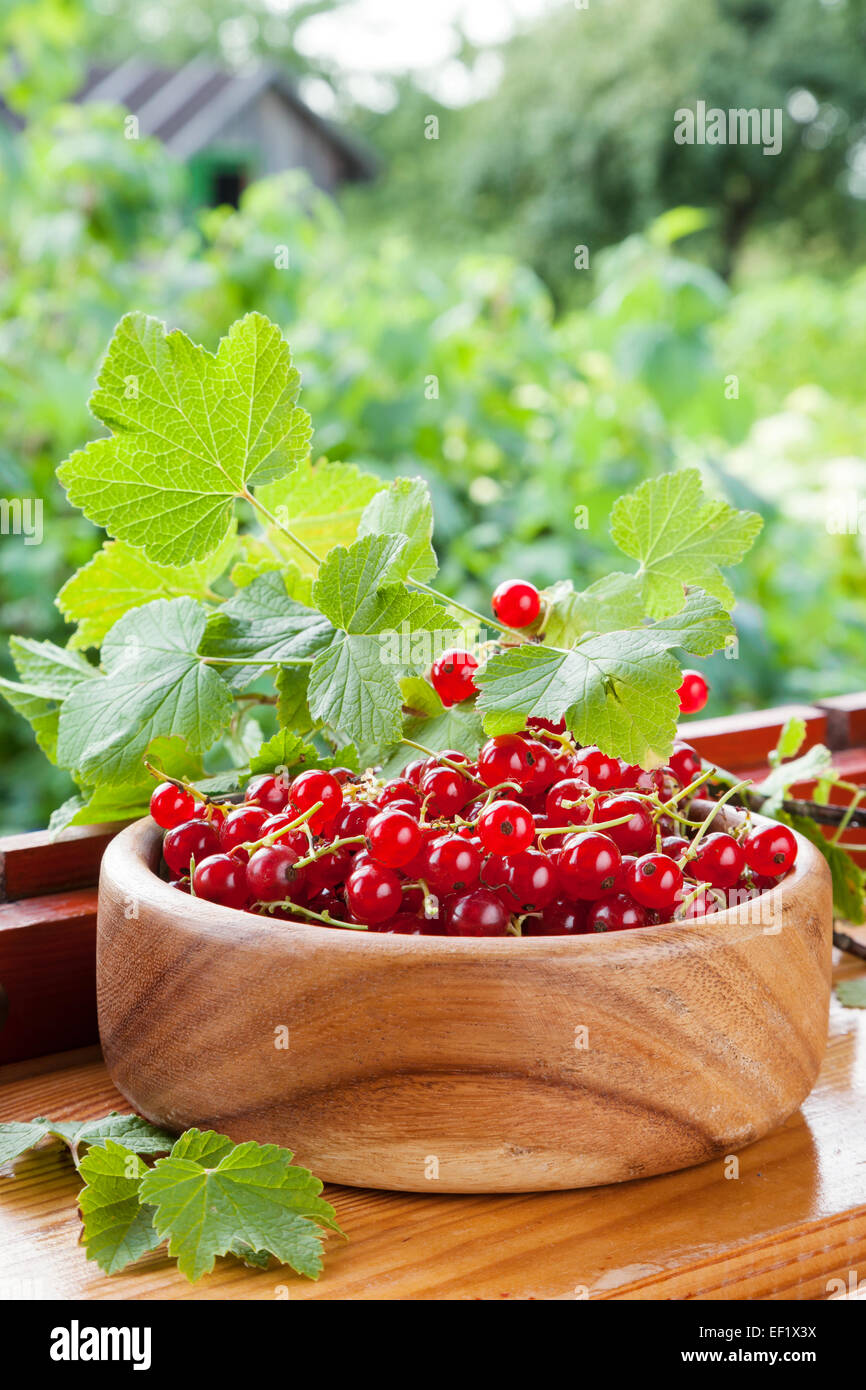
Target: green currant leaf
852, 993
209, 1195
120, 577
191, 431
350, 583
263, 625
284, 750
679, 538
117, 1229
849, 880
293, 710
352, 689
156, 685
814, 764
16, 1138
458, 727
322, 504
612, 602
790, 740
48, 674
405, 509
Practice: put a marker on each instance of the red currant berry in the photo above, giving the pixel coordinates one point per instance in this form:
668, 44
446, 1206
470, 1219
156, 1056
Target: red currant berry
588, 864
329, 869
352, 818
685, 763
719, 861
399, 789
771, 851
312, 786
546, 726
544, 768
596, 768
405, 924
207, 810
242, 826
496, 875
516, 603
451, 676
654, 881
221, 879
272, 873
479, 913
618, 912
413, 772
194, 839
171, 805
560, 918
393, 838
373, 893
702, 905
532, 880
634, 836
506, 827
674, 846
566, 802
268, 791
451, 864
693, 692
445, 790
505, 759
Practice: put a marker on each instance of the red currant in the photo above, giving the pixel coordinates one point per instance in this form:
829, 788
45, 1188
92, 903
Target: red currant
685, 763
479, 913
544, 768
194, 839
693, 692
702, 905
674, 846
312, 786
353, 818
654, 881
268, 791
413, 772
596, 768
532, 880
406, 924
566, 802
221, 879
450, 864
771, 851
560, 918
618, 912
588, 864
393, 838
448, 791
328, 869
373, 893
634, 836
243, 825
398, 789
719, 860
506, 827
451, 676
171, 805
505, 759
272, 873
516, 603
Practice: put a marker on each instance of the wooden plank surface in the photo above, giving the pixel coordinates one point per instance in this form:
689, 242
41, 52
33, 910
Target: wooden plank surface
793, 1219
38, 862
48, 973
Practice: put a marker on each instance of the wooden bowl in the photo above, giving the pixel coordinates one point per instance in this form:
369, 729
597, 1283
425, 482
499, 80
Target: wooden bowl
457, 1064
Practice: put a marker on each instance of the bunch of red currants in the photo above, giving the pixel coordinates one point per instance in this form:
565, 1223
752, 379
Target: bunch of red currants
536, 837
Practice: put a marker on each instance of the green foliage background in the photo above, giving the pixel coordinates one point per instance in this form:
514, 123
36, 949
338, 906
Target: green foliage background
464, 345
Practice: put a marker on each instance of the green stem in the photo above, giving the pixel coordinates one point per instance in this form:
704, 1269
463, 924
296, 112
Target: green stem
252, 845
708, 820
272, 521
846, 819
479, 617
307, 912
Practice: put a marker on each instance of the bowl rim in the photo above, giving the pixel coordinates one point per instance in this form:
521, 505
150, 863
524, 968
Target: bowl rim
131, 855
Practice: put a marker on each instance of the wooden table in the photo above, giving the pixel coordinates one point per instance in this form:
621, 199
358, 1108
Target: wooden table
794, 1219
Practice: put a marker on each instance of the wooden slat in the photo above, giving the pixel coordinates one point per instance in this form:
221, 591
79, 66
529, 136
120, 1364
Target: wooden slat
48, 973
793, 1219
745, 740
36, 864
846, 719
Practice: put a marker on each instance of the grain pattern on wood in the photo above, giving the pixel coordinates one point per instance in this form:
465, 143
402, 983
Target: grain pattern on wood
793, 1220
38, 863
502, 1065
48, 974
744, 741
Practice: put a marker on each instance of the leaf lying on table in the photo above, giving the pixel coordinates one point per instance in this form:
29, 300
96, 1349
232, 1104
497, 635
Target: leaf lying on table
852, 993
208, 1197
137, 1134
210, 1194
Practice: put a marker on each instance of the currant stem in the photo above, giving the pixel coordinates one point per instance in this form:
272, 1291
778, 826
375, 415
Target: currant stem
252, 845
479, 617
290, 535
708, 820
324, 917
580, 829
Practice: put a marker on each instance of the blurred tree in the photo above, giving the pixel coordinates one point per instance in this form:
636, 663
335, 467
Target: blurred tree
577, 143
